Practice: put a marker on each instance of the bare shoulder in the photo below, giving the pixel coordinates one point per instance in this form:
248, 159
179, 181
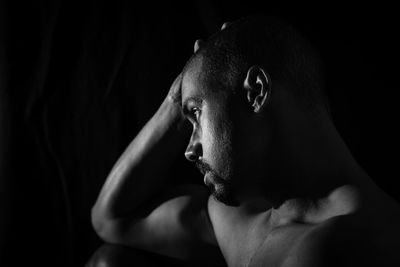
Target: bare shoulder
346, 240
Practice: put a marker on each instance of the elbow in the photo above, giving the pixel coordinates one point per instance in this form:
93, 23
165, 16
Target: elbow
106, 228
98, 222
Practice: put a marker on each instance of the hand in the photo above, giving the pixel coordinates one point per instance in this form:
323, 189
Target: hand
199, 43
226, 24
175, 92
174, 101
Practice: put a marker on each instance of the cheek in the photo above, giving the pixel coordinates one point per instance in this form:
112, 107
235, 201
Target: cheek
217, 148
207, 140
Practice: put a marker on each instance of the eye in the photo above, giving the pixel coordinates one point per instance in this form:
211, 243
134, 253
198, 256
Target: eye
195, 113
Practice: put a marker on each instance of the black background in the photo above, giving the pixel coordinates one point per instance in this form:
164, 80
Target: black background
79, 79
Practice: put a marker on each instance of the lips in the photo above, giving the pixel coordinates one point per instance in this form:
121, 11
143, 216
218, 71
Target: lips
202, 167
207, 179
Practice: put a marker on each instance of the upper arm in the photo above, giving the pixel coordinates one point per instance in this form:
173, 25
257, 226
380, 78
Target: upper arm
176, 224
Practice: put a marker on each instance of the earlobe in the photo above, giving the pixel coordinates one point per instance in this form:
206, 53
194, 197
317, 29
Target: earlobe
258, 87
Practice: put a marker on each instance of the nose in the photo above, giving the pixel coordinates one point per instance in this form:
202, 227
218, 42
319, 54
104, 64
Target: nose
194, 151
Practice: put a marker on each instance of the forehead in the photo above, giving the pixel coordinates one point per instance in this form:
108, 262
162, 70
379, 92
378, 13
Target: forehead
193, 80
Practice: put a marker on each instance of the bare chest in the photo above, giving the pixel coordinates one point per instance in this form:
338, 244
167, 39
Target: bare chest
279, 245
249, 239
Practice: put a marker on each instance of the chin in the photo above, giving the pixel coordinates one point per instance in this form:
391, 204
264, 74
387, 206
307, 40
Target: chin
225, 199
221, 190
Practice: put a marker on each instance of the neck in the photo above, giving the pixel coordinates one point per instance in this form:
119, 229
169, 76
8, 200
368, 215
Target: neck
311, 163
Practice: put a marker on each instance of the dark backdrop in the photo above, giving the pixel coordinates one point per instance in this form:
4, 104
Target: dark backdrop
79, 79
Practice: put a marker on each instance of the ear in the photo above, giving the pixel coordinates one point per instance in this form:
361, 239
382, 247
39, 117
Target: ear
258, 87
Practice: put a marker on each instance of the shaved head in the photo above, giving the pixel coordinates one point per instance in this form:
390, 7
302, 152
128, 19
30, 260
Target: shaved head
282, 51
245, 91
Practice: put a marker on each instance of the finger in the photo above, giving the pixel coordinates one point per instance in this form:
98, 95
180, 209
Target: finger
180, 79
226, 24
174, 93
177, 80
197, 45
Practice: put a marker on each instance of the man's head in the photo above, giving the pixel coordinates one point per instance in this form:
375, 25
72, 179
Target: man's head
227, 89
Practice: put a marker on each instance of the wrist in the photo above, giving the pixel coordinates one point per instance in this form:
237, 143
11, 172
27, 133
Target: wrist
172, 111
170, 114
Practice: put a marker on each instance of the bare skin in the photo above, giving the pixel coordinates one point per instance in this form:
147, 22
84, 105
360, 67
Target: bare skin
310, 204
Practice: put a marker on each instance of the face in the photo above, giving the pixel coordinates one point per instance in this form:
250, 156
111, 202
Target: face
211, 144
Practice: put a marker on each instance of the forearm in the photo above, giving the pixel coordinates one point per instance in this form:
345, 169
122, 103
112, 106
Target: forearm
139, 174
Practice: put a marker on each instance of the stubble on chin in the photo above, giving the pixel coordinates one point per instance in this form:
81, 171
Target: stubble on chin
220, 188
222, 191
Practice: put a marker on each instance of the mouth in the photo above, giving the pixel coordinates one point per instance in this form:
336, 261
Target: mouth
207, 181
205, 170
203, 167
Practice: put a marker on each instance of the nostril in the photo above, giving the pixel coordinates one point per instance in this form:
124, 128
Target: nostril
194, 151
191, 156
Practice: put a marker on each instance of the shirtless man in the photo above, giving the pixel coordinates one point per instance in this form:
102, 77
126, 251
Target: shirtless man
285, 189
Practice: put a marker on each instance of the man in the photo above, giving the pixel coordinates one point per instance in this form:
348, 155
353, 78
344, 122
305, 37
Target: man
285, 189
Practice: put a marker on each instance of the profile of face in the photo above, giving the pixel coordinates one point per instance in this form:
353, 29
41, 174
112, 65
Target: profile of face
210, 143
218, 145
